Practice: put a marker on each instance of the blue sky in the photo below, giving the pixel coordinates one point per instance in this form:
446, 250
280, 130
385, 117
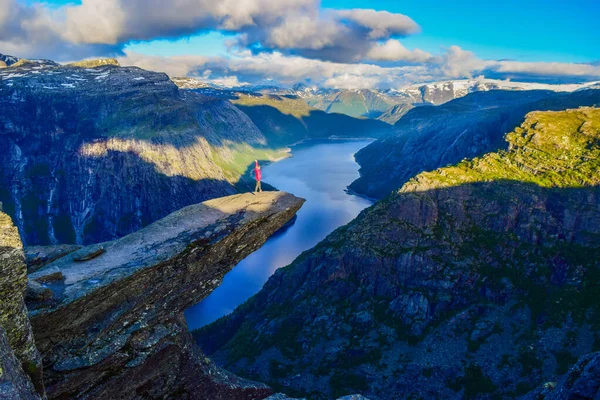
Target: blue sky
384, 43
531, 30
528, 30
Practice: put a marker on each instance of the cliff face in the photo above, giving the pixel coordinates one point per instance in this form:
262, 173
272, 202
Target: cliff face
114, 327
475, 281
14, 383
427, 138
91, 154
17, 346
582, 382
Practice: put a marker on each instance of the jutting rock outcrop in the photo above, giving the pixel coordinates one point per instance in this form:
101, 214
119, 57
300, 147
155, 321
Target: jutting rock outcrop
479, 280
19, 358
91, 151
115, 326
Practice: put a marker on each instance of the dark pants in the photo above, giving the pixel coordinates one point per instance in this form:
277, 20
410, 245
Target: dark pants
258, 188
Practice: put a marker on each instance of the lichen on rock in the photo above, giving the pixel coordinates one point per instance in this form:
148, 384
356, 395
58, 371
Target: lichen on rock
13, 313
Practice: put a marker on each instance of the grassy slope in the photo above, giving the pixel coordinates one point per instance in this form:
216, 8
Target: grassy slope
550, 149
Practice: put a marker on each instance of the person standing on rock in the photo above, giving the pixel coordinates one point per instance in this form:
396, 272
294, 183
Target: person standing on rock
258, 176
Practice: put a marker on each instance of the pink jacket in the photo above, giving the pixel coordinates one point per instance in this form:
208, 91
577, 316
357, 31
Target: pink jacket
257, 172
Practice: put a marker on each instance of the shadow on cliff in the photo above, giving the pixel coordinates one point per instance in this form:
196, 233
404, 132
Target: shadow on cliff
126, 196
427, 138
513, 241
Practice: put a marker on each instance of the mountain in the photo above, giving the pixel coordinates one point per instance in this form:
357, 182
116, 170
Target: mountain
427, 138
90, 154
92, 151
478, 280
284, 117
398, 111
387, 105
93, 63
288, 119
190, 83
442, 92
390, 105
365, 103
14, 62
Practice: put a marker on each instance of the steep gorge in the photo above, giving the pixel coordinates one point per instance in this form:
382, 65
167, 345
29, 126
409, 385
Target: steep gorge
93, 151
474, 281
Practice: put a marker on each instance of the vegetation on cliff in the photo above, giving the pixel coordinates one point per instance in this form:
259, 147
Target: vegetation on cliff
427, 138
474, 281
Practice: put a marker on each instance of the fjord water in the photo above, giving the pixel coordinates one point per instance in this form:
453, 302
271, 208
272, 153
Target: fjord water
318, 171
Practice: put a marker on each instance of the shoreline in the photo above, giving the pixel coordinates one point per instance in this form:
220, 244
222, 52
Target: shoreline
362, 196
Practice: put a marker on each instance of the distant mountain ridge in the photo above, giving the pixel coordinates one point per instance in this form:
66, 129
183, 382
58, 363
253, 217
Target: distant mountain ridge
387, 105
13, 62
383, 104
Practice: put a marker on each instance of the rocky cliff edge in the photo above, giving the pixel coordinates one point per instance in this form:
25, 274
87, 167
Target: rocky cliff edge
115, 326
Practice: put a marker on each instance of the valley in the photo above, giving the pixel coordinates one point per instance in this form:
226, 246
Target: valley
437, 240
327, 207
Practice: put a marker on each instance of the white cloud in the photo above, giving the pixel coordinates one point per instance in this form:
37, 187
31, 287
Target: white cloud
382, 24
173, 66
459, 63
285, 41
393, 50
546, 68
290, 26
286, 70
348, 81
277, 67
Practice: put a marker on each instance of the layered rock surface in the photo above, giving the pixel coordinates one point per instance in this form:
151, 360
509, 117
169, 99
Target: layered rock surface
115, 326
475, 281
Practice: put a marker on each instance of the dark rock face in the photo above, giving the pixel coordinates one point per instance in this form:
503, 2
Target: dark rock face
582, 382
115, 326
92, 154
475, 281
427, 138
16, 335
